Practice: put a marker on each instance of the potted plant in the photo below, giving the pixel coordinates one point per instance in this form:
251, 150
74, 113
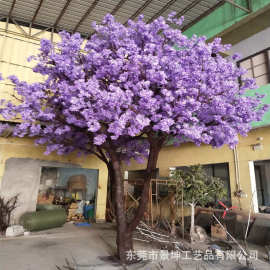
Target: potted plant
198, 188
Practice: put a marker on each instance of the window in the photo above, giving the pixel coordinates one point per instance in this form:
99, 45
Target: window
258, 67
221, 170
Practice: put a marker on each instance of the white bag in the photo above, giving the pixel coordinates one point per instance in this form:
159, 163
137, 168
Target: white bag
15, 230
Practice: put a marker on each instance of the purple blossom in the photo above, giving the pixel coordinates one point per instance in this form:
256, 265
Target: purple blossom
14, 79
3, 127
100, 139
45, 46
142, 120
129, 82
236, 56
93, 125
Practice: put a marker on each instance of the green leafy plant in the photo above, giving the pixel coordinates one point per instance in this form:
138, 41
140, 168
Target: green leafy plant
198, 188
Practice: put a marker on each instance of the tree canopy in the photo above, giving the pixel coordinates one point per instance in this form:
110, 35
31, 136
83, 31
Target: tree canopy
127, 90
130, 81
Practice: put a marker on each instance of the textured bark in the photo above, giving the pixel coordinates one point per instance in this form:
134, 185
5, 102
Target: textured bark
192, 225
173, 211
112, 186
124, 239
125, 230
155, 147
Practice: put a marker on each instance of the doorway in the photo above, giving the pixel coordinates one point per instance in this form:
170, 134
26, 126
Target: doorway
262, 179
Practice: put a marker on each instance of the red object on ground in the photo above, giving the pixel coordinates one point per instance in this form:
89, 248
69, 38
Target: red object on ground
226, 208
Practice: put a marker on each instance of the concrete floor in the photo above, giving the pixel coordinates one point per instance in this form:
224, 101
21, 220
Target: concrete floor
83, 246
46, 249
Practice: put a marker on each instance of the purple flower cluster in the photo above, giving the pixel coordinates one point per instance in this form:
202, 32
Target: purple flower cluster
130, 81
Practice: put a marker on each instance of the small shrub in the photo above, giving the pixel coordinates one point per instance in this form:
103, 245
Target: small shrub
6, 208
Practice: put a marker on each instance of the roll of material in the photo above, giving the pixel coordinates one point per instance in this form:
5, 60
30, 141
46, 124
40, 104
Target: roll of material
42, 207
43, 220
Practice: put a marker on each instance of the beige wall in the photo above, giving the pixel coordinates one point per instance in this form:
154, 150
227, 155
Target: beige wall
189, 154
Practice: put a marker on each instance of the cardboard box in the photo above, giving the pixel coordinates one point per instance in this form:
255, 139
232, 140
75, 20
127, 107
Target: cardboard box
218, 232
73, 206
43, 199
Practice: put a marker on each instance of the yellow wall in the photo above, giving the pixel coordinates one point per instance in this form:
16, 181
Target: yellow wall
15, 48
189, 154
14, 51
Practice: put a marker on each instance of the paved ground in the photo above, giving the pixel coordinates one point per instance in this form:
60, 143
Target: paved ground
83, 247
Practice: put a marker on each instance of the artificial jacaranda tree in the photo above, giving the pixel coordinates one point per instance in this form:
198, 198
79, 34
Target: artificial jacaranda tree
128, 91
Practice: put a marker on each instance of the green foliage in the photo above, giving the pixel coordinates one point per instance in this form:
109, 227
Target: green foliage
197, 186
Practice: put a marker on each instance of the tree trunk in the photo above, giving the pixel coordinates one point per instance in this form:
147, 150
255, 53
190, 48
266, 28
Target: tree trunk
192, 225
173, 211
124, 230
124, 238
111, 203
173, 230
155, 147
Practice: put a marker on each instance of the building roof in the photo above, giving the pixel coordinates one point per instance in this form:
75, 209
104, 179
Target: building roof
77, 15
